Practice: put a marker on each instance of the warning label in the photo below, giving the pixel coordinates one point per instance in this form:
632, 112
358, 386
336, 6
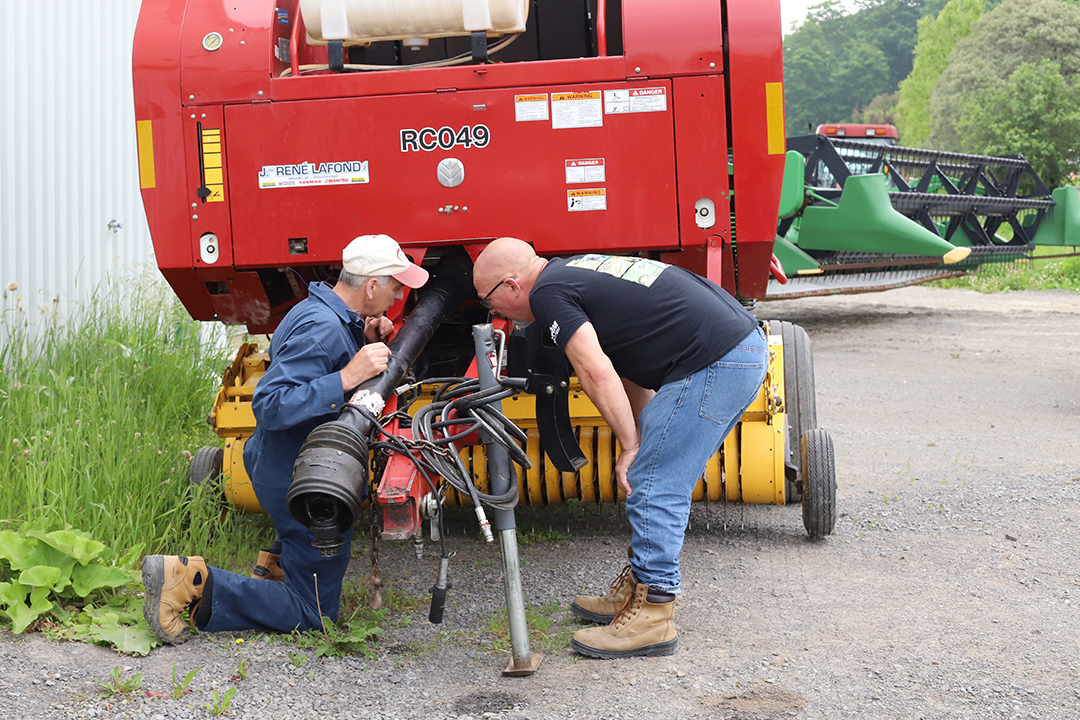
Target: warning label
590, 170
586, 199
305, 173
638, 100
581, 109
530, 107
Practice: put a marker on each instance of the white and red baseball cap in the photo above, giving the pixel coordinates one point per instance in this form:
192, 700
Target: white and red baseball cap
380, 255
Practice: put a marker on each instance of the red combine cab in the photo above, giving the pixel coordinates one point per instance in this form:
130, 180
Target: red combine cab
887, 134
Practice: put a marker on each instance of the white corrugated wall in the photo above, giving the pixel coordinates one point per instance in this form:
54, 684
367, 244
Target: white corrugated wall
68, 162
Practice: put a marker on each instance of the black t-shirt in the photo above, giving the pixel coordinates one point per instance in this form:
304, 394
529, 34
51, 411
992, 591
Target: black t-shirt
658, 323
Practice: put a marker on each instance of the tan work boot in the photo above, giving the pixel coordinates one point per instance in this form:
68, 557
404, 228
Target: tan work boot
173, 582
603, 609
641, 628
267, 566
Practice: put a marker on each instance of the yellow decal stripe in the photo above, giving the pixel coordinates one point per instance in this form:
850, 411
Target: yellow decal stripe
212, 174
774, 118
145, 138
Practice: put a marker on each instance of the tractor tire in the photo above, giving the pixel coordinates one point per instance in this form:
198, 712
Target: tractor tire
206, 465
800, 397
819, 483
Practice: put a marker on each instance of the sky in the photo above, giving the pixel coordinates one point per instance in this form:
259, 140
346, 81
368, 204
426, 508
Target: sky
792, 10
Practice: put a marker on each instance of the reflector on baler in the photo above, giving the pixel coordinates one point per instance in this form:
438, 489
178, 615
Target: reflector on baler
359, 22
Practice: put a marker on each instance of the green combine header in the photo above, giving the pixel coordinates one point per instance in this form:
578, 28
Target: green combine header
861, 216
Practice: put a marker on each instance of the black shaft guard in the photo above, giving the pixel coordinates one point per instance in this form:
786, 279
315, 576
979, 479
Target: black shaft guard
547, 376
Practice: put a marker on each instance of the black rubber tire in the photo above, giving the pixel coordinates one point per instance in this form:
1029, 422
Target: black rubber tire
800, 397
819, 483
206, 465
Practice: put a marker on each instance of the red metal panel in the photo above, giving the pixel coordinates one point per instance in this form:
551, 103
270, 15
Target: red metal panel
399, 494
701, 152
665, 38
240, 298
755, 61
466, 77
156, 84
242, 35
515, 174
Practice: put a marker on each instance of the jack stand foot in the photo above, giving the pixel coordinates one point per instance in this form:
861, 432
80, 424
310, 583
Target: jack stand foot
528, 668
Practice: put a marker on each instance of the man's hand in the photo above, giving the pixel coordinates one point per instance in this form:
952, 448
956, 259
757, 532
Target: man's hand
622, 467
368, 362
378, 329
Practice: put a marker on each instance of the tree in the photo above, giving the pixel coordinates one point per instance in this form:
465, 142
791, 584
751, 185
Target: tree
863, 75
937, 36
808, 66
1035, 112
835, 63
1013, 33
880, 111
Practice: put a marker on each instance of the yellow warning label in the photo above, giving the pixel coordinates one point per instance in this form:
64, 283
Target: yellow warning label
563, 97
213, 177
145, 137
586, 199
774, 118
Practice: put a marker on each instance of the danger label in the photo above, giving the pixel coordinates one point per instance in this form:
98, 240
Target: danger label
589, 170
528, 108
579, 109
586, 199
638, 100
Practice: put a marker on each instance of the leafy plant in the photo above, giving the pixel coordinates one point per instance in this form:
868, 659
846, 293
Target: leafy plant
117, 685
119, 624
219, 704
179, 689
354, 636
242, 672
41, 572
297, 659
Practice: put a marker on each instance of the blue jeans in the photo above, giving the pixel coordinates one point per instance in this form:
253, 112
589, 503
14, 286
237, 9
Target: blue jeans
681, 428
243, 603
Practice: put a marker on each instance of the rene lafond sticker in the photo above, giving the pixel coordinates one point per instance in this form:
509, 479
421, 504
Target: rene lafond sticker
347, 172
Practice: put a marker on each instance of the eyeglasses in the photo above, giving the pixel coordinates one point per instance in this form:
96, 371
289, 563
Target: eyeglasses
487, 303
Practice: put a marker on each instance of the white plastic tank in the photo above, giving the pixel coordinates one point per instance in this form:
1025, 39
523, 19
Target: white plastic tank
366, 21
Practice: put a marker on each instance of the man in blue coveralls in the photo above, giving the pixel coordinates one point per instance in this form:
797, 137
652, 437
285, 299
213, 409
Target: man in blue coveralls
324, 348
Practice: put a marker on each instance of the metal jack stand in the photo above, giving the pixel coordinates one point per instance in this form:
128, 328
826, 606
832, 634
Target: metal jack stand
522, 661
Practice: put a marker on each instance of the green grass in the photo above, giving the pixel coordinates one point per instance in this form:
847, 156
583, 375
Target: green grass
1048, 274
100, 412
550, 628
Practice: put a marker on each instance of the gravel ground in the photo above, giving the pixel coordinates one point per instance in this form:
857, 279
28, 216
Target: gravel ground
948, 589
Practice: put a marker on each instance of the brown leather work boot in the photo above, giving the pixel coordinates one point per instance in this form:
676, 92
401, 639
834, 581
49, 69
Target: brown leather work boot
603, 609
267, 566
173, 583
641, 628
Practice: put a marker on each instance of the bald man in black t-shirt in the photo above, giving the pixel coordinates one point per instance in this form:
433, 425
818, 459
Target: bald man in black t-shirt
672, 361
